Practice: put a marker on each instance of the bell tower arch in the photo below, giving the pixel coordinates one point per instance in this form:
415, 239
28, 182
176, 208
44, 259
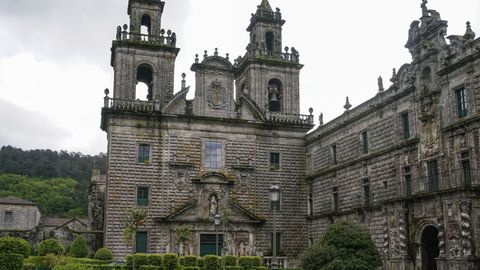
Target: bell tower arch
144, 55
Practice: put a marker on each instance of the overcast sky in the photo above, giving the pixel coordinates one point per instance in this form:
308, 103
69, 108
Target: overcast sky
54, 55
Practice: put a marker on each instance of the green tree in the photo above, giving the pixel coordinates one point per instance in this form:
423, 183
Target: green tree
345, 246
79, 248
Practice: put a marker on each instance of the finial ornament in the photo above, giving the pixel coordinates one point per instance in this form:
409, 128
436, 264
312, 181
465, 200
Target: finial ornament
184, 82
347, 104
424, 8
320, 119
380, 84
469, 34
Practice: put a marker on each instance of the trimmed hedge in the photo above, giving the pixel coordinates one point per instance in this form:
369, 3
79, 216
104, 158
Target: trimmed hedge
212, 262
137, 260
170, 261
151, 267
250, 262
200, 262
191, 268
155, 260
261, 268
53, 260
13, 245
78, 248
11, 261
233, 268
187, 261
229, 260
103, 254
50, 246
88, 267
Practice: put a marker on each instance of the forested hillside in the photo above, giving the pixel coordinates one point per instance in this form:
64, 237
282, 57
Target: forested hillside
57, 181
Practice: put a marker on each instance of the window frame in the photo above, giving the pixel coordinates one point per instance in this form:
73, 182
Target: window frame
366, 192
273, 166
279, 243
7, 213
406, 128
462, 102
364, 140
221, 164
138, 199
466, 168
407, 178
334, 153
139, 148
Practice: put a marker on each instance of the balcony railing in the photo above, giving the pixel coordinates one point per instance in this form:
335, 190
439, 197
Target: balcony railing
290, 118
131, 105
170, 39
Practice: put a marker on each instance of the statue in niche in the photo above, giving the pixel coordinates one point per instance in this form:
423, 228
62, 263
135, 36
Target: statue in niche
213, 205
241, 249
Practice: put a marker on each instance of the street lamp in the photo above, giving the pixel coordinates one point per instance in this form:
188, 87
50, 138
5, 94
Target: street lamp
216, 221
275, 201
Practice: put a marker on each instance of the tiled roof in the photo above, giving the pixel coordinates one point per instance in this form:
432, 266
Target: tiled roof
14, 200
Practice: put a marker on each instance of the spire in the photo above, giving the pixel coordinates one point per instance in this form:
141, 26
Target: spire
265, 5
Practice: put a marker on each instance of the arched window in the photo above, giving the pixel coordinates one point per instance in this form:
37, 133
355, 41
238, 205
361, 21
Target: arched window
144, 87
275, 95
269, 42
145, 26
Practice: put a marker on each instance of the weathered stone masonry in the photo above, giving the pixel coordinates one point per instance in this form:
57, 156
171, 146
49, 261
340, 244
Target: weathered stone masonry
404, 164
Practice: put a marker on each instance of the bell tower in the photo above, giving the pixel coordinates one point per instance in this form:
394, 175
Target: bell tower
269, 74
143, 55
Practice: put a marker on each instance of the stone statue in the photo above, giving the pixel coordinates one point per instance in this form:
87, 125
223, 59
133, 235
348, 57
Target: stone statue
424, 8
213, 205
241, 249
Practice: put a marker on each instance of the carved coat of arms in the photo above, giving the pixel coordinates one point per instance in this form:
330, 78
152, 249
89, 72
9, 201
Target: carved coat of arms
216, 95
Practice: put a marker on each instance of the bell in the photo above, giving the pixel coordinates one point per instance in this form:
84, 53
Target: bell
273, 98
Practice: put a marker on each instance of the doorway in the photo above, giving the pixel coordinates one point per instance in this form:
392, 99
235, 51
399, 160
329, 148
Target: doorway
430, 250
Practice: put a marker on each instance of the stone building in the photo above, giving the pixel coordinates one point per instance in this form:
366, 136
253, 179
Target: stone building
404, 163
18, 215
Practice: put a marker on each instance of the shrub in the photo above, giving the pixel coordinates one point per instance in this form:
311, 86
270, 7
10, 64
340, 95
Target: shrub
344, 246
150, 267
87, 261
170, 261
155, 260
11, 261
137, 260
103, 254
200, 262
50, 246
79, 248
191, 268
250, 262
13, 245
212, 262
28, 266
187, 261
233, 268
229, 260
48, 261
260, 268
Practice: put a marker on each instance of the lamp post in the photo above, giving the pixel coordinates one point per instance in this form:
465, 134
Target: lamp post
275, 200
216, 220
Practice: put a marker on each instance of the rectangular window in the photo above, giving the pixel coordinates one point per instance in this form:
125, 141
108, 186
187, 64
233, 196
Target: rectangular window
278, 245
141, 242
406, 125
432, 176
310, 199
8, 217
365, 142
462, 103
143, 154
209, 244
334, 154
274, 161
408, 180
366, 192
335, 199
213, 155
309, 163
142, 196
465, 162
